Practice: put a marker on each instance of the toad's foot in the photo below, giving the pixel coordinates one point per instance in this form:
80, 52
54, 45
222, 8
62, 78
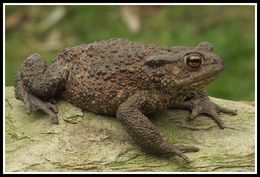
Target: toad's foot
200, 103
209, 108
178, 150
186, 149
33, 104
36, 82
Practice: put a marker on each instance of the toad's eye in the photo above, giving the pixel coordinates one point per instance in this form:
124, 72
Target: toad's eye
193, 60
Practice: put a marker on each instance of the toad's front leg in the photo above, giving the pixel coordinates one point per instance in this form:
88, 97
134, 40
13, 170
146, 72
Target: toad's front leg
132, 115
199, 103
36, 83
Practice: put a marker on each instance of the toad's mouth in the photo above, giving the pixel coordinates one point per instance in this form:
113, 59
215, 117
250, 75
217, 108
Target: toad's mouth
202, 78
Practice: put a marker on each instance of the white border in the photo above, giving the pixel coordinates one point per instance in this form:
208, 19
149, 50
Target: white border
166, 4
256, 88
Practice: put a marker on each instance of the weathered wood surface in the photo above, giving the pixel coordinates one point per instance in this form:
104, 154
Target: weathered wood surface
87, 142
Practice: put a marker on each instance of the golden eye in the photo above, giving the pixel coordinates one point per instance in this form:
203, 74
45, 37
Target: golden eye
193, 60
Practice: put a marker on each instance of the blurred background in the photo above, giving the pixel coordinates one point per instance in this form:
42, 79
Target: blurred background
48, 29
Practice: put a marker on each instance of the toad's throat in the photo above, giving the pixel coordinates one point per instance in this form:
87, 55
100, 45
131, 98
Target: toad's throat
201, 79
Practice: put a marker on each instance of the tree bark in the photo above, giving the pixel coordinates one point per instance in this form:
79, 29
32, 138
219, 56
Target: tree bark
88, 142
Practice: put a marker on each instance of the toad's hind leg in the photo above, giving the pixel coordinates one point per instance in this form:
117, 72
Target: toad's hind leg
132, 115
36, 83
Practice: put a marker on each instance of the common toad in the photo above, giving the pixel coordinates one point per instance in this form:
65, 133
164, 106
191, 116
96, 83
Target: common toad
127, 79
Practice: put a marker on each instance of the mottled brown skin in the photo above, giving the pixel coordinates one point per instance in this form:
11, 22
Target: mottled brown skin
127, 79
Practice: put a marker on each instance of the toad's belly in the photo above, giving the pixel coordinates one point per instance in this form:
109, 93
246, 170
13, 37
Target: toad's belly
103, 102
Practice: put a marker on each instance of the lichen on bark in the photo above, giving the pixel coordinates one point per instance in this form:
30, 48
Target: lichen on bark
88, 142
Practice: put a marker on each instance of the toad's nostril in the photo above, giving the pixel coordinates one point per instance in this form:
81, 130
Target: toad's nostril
217, 60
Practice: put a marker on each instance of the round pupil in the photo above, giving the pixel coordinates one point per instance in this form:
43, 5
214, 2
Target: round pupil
194, 61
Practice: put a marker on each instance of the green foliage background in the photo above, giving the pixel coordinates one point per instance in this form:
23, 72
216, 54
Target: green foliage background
229, 28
